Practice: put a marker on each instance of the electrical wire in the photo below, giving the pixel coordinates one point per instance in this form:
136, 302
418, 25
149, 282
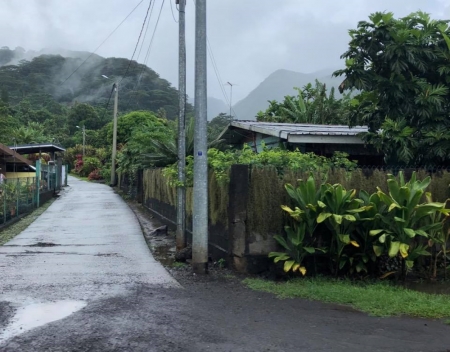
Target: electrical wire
144, 65
217, 73
137, 44
102, 42
146, 31
171, 9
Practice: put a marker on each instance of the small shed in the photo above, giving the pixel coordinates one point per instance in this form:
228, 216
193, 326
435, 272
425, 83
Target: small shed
319, 139
49, 148
14, 165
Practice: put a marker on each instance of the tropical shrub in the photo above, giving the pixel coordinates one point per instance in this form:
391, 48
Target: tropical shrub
282, 160
89, 164
402, 223
95, 175
407, 217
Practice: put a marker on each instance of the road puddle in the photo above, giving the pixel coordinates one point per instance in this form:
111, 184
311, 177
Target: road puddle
38, 314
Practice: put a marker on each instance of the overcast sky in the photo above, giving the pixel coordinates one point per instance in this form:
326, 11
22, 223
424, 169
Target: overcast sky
250, 39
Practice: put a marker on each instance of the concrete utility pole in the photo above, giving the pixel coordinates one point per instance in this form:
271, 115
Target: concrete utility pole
231, 96
200, 211
114, 147
83, 131
181, 190
84, 140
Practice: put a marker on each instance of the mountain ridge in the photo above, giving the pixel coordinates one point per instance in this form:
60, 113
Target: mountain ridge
276, 86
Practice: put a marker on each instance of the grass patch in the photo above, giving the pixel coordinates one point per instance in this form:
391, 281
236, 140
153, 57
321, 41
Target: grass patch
377, 299
12, 231
178, 265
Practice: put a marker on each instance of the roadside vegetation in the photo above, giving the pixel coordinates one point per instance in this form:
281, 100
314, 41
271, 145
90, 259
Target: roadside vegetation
12, 231
374, 298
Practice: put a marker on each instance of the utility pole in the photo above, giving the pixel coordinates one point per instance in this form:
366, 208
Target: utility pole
83, 131
114, 147
84, 140
200, 211
181, 190
231, 95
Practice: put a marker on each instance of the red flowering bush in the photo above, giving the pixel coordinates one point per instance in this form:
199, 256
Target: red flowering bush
95, 175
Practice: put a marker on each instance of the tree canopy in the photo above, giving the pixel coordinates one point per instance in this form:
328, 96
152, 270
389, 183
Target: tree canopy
311, 105
402, 69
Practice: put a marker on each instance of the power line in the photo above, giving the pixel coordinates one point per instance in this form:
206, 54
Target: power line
137, 44
216, 71
146, 31
171, 9
132, 96
102, 42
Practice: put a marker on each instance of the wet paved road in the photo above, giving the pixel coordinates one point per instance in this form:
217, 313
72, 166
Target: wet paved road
82, 279
87, 245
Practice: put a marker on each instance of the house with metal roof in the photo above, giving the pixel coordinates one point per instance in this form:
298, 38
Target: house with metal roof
14, 165
319, 139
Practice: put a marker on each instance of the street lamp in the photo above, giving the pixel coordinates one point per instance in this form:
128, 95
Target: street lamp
114, 146
84, 139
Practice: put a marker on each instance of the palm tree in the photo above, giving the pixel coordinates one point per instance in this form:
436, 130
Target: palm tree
166, 152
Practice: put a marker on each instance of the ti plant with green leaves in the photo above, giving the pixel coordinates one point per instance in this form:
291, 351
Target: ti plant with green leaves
405, 218
300, 241
339, 207
367, 220
306, 198
296, 249
439, 236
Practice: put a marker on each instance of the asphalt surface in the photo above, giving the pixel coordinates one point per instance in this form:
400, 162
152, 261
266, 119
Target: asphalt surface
81, 278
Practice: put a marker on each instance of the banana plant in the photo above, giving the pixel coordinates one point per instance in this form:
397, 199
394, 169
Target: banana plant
404, 218
296, 249
338, 209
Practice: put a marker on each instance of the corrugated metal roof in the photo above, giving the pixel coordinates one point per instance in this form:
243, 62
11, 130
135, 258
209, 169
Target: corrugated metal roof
295, 132
36, 148
299, 129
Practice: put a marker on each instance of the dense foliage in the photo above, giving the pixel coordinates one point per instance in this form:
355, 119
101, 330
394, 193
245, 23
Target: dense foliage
283, 160
402, 69
356, 231
45, 91
311, 105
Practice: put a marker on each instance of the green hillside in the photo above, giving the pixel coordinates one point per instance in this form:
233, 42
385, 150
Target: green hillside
56, 94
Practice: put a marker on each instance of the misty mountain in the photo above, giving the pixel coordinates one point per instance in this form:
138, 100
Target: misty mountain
277, 86
215, 107
13, 57
67, 80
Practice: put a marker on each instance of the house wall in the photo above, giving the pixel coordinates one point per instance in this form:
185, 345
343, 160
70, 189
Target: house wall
20, 174
256, 142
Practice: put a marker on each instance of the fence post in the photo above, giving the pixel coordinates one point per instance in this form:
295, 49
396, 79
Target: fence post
4, 202
28, 193
17, 196
59, 173
238, 192
38, 181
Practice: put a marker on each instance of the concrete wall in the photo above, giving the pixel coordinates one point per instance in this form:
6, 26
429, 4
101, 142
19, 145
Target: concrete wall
232, 236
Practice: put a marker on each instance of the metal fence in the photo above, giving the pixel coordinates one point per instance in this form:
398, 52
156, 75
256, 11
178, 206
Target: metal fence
17, 197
